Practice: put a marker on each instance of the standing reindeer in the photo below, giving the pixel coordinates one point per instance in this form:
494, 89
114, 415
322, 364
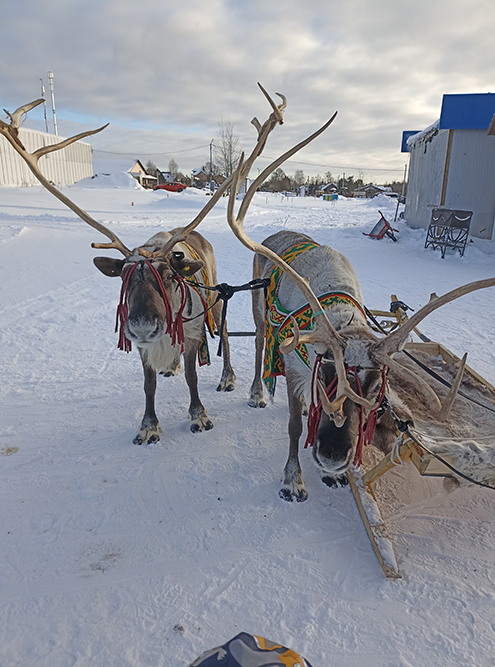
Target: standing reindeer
347, 374
160, 311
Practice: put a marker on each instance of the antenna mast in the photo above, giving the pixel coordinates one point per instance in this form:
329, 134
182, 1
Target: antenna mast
50, 76
44, 104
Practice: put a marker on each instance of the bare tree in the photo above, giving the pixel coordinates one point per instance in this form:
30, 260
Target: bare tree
227, 149
173, 168
278, 181
151, 168
299, 178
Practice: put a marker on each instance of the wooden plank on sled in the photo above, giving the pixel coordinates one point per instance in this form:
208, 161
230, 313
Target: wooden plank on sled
375, 527
439, 350
426, 464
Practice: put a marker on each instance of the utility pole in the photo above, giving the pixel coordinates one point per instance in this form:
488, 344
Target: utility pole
402, 195
210, 175
44, 104
50, 76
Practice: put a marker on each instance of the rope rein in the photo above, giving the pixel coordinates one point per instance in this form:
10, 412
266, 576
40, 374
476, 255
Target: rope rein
225, 293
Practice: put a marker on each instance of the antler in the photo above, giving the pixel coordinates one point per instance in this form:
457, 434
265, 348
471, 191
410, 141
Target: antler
395, 340
263, 131
11, 133
324, 331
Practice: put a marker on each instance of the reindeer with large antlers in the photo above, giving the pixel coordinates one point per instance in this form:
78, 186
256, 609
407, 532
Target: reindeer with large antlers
340, 367
160, 311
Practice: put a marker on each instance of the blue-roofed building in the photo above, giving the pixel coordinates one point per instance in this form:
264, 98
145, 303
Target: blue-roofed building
452, 164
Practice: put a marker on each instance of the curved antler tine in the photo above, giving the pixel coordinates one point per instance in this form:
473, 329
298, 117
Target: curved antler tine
289, 344
18, 113
256, 124
277, 109
331, 408
394, 342
31, 159
181, 233
407, 374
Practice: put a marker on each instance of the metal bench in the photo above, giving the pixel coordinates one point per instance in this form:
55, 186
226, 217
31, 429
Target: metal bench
448, 229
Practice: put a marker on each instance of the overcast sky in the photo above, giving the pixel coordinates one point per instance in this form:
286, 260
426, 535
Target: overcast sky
165, 73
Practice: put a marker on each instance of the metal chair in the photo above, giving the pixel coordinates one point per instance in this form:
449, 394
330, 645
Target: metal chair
448, 229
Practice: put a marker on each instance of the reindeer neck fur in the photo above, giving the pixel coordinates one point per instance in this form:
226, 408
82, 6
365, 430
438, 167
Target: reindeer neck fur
327, 270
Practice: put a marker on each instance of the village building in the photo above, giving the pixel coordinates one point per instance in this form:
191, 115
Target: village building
63, 167
452, 164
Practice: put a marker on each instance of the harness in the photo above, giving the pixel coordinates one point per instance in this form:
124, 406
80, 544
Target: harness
174, 327
366, 431
278, 319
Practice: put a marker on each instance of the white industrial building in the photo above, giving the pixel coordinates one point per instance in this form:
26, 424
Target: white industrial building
63, 167
452, 164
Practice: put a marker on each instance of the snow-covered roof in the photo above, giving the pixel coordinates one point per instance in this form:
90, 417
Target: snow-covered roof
426, 134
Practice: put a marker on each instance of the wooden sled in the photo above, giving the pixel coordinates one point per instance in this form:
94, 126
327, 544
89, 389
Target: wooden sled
408, 450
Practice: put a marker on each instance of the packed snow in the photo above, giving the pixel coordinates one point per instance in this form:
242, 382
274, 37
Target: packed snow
117, 555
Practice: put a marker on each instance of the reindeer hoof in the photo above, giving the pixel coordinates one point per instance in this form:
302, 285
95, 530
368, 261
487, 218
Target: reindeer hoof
256, 402
333, 482
227, 382
199, 425
148, 434
139, 440
230, 386
300, 495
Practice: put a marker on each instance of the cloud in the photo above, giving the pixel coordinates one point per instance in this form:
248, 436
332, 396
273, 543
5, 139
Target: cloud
164, 74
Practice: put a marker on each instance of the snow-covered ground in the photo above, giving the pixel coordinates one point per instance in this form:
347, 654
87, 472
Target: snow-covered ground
114, 555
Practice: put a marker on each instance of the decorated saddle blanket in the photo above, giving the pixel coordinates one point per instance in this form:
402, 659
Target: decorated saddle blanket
209, 322
245, 650
278, 324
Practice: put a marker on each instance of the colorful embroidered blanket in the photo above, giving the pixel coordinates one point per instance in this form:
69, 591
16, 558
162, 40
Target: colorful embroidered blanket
278, 320
203, 350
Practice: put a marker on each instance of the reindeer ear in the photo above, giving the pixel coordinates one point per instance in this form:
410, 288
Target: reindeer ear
184, 266
109, 266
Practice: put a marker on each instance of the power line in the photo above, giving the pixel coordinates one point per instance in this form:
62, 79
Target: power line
187, 150
265, 157
333, 166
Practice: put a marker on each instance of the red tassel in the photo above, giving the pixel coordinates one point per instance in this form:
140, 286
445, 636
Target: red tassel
175, 328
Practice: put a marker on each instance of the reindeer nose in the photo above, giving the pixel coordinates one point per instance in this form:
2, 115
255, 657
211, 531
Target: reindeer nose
144, 330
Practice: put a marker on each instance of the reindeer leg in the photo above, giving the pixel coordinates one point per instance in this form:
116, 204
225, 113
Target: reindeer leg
150, 430
200, 419
227, 381
256, 392
292, 481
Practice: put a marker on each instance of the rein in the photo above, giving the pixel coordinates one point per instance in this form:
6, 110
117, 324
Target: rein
174, 328
366, 433
225, 293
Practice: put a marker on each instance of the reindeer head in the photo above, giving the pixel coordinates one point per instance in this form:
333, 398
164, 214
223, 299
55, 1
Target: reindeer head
152, 288
335, 427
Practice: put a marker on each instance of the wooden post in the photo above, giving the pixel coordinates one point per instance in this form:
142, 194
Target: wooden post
446, 167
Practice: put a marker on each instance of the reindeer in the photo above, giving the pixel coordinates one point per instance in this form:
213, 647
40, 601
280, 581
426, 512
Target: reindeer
160, 310
347, 374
